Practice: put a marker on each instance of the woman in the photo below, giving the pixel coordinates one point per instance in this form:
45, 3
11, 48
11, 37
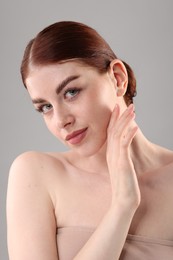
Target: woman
110, 196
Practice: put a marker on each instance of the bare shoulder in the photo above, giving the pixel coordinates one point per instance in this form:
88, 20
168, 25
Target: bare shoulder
163, 175
166, 168
37, 172
35, 164
167, 156
34, 158
164, 157
160, 176
30, 206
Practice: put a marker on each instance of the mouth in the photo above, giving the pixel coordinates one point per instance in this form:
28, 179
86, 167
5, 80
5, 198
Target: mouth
77, 136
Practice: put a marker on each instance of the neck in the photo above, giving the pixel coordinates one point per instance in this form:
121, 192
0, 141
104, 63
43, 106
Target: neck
142, 153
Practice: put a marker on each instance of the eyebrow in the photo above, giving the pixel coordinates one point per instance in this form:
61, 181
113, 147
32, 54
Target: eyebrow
59, 88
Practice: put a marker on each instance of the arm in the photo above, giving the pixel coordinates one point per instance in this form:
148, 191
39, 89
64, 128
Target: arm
108, 240
29, 234
30, 215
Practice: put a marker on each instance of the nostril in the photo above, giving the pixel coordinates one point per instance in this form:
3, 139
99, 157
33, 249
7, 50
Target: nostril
67, 124
69, 121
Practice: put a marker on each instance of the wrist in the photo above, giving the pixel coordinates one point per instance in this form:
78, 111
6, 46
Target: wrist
124, 206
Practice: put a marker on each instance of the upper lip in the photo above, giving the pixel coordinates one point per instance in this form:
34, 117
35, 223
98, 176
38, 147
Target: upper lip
75, 133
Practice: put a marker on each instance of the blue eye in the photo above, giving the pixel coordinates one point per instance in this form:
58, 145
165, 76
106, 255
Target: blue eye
70, 93
44, 108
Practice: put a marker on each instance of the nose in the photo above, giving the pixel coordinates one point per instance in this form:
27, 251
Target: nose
63, 118
65, 122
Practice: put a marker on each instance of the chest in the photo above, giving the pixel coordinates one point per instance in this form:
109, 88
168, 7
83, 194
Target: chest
154, 216
85, 201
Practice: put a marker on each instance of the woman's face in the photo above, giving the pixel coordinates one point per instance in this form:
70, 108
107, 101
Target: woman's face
76, 102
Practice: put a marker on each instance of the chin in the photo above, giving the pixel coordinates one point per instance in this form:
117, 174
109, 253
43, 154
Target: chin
89, 150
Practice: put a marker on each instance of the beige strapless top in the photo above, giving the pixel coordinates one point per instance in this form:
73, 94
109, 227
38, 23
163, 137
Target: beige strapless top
71, 239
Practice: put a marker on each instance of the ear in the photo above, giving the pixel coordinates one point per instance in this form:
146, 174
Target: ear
119, 75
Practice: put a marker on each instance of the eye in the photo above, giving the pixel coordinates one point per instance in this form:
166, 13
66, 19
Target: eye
44, 108
71, 93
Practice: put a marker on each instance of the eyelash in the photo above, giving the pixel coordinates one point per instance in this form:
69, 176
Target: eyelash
40, 108
75, 91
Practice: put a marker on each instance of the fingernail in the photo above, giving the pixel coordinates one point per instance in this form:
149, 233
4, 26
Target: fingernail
131, 106
116, 105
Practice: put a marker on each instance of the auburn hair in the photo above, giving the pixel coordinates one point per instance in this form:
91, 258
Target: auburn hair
68, 40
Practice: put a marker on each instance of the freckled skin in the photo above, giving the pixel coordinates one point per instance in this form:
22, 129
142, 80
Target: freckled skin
91, 108
113, 180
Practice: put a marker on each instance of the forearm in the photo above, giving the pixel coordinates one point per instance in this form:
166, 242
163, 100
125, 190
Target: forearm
108, 240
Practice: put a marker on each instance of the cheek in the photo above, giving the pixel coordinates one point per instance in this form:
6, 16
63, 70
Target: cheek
100, 111
103, 118
98, 117
52, 128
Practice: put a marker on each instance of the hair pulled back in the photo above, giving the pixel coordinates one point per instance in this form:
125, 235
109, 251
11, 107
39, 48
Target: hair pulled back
67, 40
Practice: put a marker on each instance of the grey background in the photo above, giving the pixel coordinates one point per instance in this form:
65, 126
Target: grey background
139, 31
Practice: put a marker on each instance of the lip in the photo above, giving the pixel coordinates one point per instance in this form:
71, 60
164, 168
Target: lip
77, 136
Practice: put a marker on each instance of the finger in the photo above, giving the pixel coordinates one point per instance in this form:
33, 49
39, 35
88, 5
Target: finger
128, 137
124, 121
114, 117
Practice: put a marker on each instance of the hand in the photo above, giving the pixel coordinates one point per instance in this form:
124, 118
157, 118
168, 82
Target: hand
121, 131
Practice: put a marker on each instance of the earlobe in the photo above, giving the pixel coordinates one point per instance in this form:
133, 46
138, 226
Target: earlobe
120, 91
119, 73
